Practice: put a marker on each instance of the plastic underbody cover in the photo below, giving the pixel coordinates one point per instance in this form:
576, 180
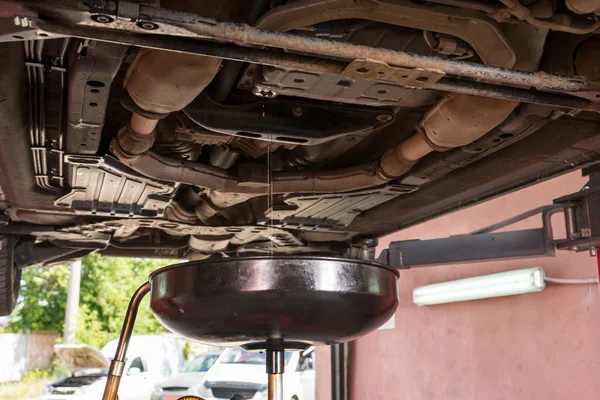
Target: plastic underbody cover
104, 186
331, 211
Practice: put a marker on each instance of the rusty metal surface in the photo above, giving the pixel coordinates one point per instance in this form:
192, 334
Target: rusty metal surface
333, 87
192, 46
412, 77
187, 25
480, 31
302, 63
510, 93
246, 35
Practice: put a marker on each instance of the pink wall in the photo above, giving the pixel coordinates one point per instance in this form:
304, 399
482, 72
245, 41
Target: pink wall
535, 346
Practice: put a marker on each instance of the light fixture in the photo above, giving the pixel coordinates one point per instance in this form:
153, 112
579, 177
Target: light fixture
481, 287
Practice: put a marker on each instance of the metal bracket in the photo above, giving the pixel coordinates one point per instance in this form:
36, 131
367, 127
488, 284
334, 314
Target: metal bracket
582, 221
411, 77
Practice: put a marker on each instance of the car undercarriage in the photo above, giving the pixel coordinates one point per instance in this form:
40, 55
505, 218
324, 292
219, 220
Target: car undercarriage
185, 129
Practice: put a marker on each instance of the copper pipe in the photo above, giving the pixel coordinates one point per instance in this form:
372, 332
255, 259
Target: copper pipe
275, 362
275, 387
117, 365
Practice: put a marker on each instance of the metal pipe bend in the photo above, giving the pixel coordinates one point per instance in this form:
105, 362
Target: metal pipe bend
255, 180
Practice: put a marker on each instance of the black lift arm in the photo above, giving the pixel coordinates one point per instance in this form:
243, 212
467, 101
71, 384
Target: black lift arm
582, 223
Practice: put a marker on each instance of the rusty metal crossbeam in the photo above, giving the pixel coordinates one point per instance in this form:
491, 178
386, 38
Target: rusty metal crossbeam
191, 33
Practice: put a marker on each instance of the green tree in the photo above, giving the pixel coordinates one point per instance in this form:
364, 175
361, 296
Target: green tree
106, 287
41, 305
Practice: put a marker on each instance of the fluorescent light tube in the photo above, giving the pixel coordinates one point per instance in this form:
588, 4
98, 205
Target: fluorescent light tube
481, 287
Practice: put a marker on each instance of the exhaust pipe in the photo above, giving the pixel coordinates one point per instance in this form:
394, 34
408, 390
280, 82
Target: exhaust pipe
439, 131
457, 120
161, 82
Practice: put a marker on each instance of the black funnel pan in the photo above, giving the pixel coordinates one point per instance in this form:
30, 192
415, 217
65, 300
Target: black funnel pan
301, 300
265, 303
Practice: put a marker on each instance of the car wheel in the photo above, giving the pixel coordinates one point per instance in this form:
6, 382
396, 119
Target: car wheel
10, 277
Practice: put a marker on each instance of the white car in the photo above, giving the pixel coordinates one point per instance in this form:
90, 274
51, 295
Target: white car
185, 382
149, 359
241, 372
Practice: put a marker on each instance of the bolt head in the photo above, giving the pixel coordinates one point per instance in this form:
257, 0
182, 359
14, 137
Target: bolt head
147, 25
102, 18
384, 118
263, 92
297, 111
